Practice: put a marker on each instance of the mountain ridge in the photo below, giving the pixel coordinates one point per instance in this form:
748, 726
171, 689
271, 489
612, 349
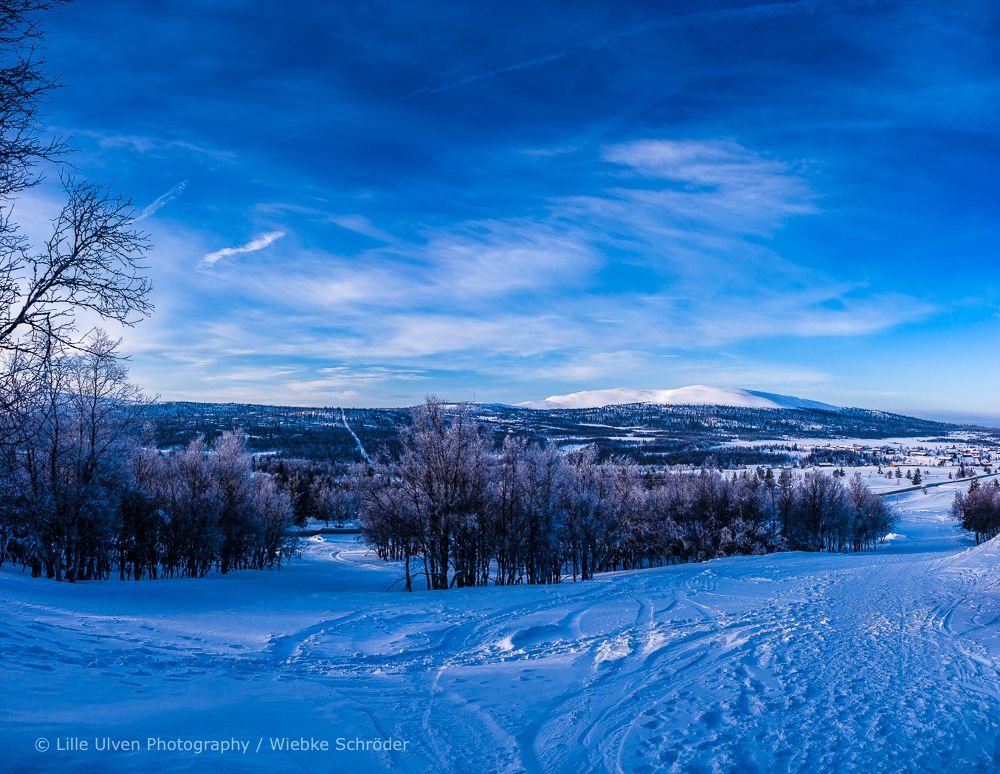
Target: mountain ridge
691, 395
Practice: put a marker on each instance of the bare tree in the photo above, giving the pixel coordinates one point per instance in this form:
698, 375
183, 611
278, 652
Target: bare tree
91, 262
25, 86
187, 512
978, 510
93, 259
62, 483
438, 490
391, 523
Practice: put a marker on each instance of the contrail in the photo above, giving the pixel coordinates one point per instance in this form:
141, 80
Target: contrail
763, 9
361, 448
481, 76
162, 201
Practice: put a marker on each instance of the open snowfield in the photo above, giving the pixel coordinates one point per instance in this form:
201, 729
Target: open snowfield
790, 662
879, 482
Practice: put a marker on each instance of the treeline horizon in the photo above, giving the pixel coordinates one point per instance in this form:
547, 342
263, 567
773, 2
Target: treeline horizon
674, 435
459, 512
85, 495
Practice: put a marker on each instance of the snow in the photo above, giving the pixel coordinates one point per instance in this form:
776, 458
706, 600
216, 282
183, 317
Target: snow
357, 441
963, 442
881, 482
788, 662
698, 394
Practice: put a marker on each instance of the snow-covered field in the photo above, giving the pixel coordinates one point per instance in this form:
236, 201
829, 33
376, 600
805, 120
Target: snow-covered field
881, 662
937, 459
879, 482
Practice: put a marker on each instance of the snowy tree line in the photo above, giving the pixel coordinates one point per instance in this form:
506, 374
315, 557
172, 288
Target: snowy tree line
322, 491
201, 509
82, 498
978, 510
457, 512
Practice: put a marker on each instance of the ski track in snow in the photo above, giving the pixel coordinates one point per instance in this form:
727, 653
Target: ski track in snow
789, 662
361, 447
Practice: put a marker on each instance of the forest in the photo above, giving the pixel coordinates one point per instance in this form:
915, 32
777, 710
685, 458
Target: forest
646, 434
459, 512
85, 495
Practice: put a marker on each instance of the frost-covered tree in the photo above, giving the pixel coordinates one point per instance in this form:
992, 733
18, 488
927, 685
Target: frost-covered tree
62, 484
442, 477
978, 510
389, 518
213, 511
529, 513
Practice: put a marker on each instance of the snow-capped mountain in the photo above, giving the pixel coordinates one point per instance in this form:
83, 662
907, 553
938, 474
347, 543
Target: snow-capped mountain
696, 394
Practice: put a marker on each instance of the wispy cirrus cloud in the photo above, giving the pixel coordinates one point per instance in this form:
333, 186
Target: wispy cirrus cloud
258, 243
622, 195
359, 224
480, 76
669, 251
157, 146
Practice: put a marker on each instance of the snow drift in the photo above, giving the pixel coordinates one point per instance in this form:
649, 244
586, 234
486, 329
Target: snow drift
985, 556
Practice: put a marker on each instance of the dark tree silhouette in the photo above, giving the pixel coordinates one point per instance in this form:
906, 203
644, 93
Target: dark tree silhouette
93, 259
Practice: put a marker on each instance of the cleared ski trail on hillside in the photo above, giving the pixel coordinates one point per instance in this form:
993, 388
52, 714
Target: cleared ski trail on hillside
789, 662
357, 441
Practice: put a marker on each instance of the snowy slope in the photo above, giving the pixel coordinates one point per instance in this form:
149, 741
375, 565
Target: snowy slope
697, 394
789, 662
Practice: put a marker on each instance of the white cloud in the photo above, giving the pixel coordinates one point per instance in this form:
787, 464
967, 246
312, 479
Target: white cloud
259, 243
675, 256
155, 146
359, 224
538, 286
717, 182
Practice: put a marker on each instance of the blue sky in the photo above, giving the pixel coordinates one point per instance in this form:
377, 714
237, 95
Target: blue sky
362, 203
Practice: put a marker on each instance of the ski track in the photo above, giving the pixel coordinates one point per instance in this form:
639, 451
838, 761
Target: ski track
793, 662
357, 441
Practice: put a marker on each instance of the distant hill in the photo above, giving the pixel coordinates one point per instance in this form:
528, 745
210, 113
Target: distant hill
649, 433
693, 395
